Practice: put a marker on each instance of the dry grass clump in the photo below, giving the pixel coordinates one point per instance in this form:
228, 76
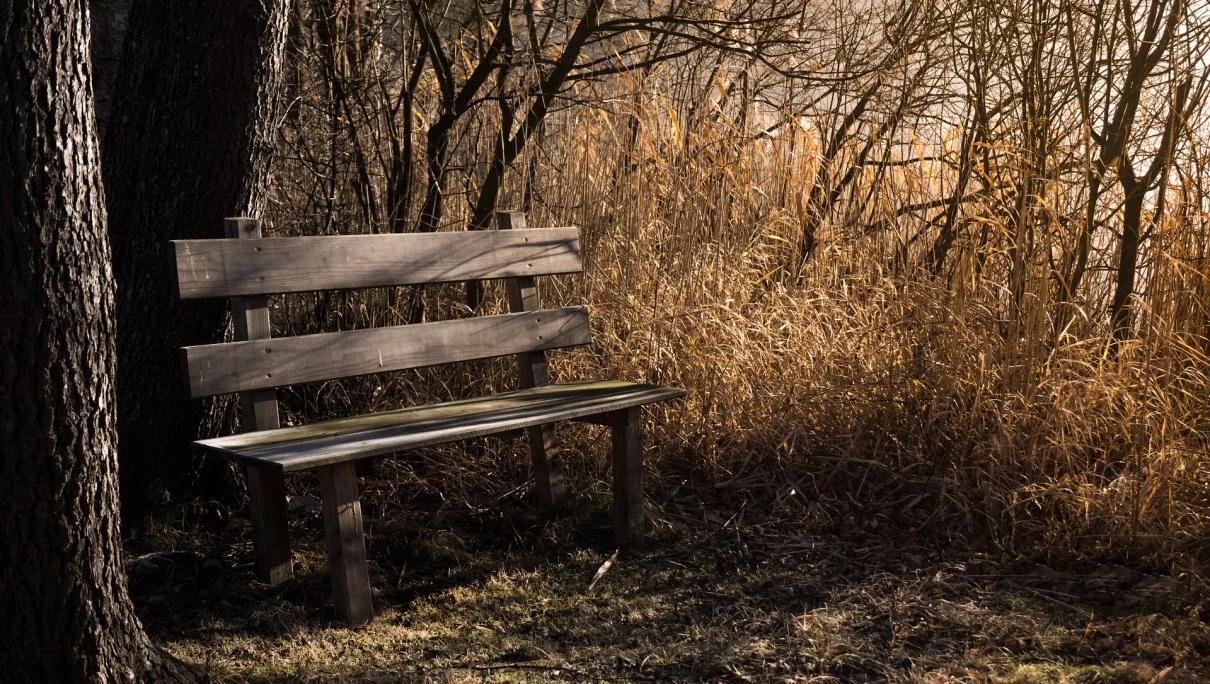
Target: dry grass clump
1046, 441
903, 384
862, 378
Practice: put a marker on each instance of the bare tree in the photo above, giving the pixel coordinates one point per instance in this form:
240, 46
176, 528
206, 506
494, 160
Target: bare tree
195, 117
1133, 68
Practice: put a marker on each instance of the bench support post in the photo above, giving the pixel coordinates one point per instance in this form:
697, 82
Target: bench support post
548, 474
258, 411
531, 372
270, 532
346, 543
628, 477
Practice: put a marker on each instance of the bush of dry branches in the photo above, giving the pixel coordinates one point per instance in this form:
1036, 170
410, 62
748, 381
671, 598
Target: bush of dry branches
889, 273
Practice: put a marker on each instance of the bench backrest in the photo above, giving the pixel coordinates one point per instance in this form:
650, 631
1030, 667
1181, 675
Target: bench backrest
246, 268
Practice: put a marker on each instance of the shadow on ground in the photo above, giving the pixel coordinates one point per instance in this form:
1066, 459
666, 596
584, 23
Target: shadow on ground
495, 593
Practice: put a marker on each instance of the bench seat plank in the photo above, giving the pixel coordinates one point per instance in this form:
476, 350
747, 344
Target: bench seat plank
346, 439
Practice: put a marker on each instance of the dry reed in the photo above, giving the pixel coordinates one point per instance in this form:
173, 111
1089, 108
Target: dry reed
866, 380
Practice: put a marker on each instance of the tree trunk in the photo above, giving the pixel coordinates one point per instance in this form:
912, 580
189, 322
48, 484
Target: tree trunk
1120, 310
67, 615
108, 19
195, 114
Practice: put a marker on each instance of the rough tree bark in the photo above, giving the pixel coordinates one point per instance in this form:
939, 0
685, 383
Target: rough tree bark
108, 20
66, 612
1121, 314
196, 108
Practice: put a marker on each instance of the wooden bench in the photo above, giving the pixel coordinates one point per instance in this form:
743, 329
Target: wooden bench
246, 268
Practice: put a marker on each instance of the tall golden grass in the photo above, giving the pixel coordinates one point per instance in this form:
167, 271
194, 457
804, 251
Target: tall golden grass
868, 380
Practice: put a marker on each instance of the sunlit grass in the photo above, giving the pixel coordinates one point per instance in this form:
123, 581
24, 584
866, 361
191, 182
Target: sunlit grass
862, 376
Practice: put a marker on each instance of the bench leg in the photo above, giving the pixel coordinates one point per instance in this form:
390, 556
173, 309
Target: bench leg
346, 543
628, 477
270, 532
548, 475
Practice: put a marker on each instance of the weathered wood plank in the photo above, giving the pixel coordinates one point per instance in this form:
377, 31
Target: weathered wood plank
270, 529
242, 366
345, 543
227, 268
346, 439
549, 480
266, 488
628, 478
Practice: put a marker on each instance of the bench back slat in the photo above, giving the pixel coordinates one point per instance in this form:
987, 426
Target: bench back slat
250, 318
238, 267
260, 364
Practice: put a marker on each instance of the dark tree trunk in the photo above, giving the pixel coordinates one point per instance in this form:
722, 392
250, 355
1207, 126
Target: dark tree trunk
196, 109
1120, 310
437, 153
66, 613
108, 19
